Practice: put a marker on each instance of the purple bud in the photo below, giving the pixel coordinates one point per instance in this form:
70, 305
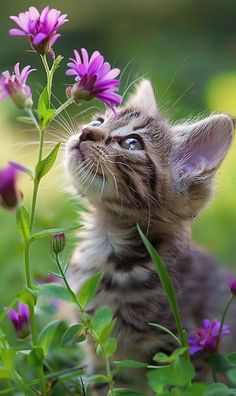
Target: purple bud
232, 285
58, 242
14, 85
20, 320
10, 197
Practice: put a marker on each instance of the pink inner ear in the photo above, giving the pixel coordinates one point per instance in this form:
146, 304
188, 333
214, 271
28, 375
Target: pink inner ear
203, 151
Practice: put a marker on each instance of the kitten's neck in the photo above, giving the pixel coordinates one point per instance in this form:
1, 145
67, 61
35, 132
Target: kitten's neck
120, 237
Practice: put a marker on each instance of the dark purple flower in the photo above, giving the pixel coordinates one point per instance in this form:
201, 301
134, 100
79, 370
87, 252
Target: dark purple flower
14, 85
9, 194
20, 320
41, 29
94, 79
207, 338
232, 285
58, 242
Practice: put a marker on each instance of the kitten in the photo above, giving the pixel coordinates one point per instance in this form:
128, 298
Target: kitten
139, 169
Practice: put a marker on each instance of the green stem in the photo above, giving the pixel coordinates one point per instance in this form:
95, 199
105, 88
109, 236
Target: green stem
227, 305
49, 74
27, 264
90, 331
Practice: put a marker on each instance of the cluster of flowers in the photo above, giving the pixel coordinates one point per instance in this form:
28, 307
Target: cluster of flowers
94, 78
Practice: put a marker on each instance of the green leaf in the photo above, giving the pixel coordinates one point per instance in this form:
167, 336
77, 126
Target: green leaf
219, 363
180, 373
54, 290
75, 331
47, 163
43, 105
127, 363
218, 389
125, 392
28, 296
166, 330
23, 221
232, 375
231, 357
56, 63
107, 331
47, 334
99, 378
52, 231
101, 319
89, 289
166, 284
109, 347
163, 358
4, 373
48, 116
35, 357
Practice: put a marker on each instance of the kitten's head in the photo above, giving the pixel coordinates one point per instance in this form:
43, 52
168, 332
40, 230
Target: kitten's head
139, 163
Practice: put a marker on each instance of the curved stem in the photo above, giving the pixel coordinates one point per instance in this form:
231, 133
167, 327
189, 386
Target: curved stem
227, 305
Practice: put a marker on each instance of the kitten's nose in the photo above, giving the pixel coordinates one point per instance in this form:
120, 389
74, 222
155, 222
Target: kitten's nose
90, 134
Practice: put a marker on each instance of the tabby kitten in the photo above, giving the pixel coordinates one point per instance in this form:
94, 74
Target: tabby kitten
139, 169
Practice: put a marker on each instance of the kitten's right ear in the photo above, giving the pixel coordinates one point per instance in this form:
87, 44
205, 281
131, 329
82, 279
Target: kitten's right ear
144, 98
199, 149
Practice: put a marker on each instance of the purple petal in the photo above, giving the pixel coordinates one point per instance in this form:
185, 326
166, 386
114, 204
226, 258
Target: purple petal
39, 38
17, 32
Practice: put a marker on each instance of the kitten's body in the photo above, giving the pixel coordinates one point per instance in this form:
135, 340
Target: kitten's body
161, 187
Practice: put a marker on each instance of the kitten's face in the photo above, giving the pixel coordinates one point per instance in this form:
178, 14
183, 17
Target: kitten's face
138, 161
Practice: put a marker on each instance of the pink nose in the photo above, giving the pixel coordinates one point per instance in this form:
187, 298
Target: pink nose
88, 134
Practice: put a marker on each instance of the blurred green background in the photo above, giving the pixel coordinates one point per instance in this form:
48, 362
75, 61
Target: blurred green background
187, 48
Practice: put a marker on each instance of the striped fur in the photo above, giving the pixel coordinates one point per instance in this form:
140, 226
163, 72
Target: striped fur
150, 188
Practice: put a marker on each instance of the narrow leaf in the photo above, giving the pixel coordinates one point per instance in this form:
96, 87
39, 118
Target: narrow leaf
47, 334
35, 357
71, 333
101, 319
54, 290
52, 231
43, 104
89, 289
22, 221
166, 284
127, 363
109, 347
47, 163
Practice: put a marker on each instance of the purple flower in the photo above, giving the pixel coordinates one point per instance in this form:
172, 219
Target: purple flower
9, 194
207, 338
232, 285
58, 242
41, 29
20, 320
94, 79
14, 85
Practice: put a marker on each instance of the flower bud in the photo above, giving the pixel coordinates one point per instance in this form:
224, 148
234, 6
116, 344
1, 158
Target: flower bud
58, 242
20, 320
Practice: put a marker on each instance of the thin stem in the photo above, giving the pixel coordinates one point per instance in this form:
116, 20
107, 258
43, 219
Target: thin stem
224, 315
85, 320
49, 76
27, 265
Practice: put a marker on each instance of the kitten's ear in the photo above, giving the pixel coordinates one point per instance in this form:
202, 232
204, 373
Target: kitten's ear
144, 98
199, 148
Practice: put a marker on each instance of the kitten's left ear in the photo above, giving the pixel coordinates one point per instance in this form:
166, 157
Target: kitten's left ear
199, 149
144, 98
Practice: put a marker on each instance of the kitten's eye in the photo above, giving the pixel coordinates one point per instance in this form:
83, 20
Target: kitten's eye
131, 144
97, 123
